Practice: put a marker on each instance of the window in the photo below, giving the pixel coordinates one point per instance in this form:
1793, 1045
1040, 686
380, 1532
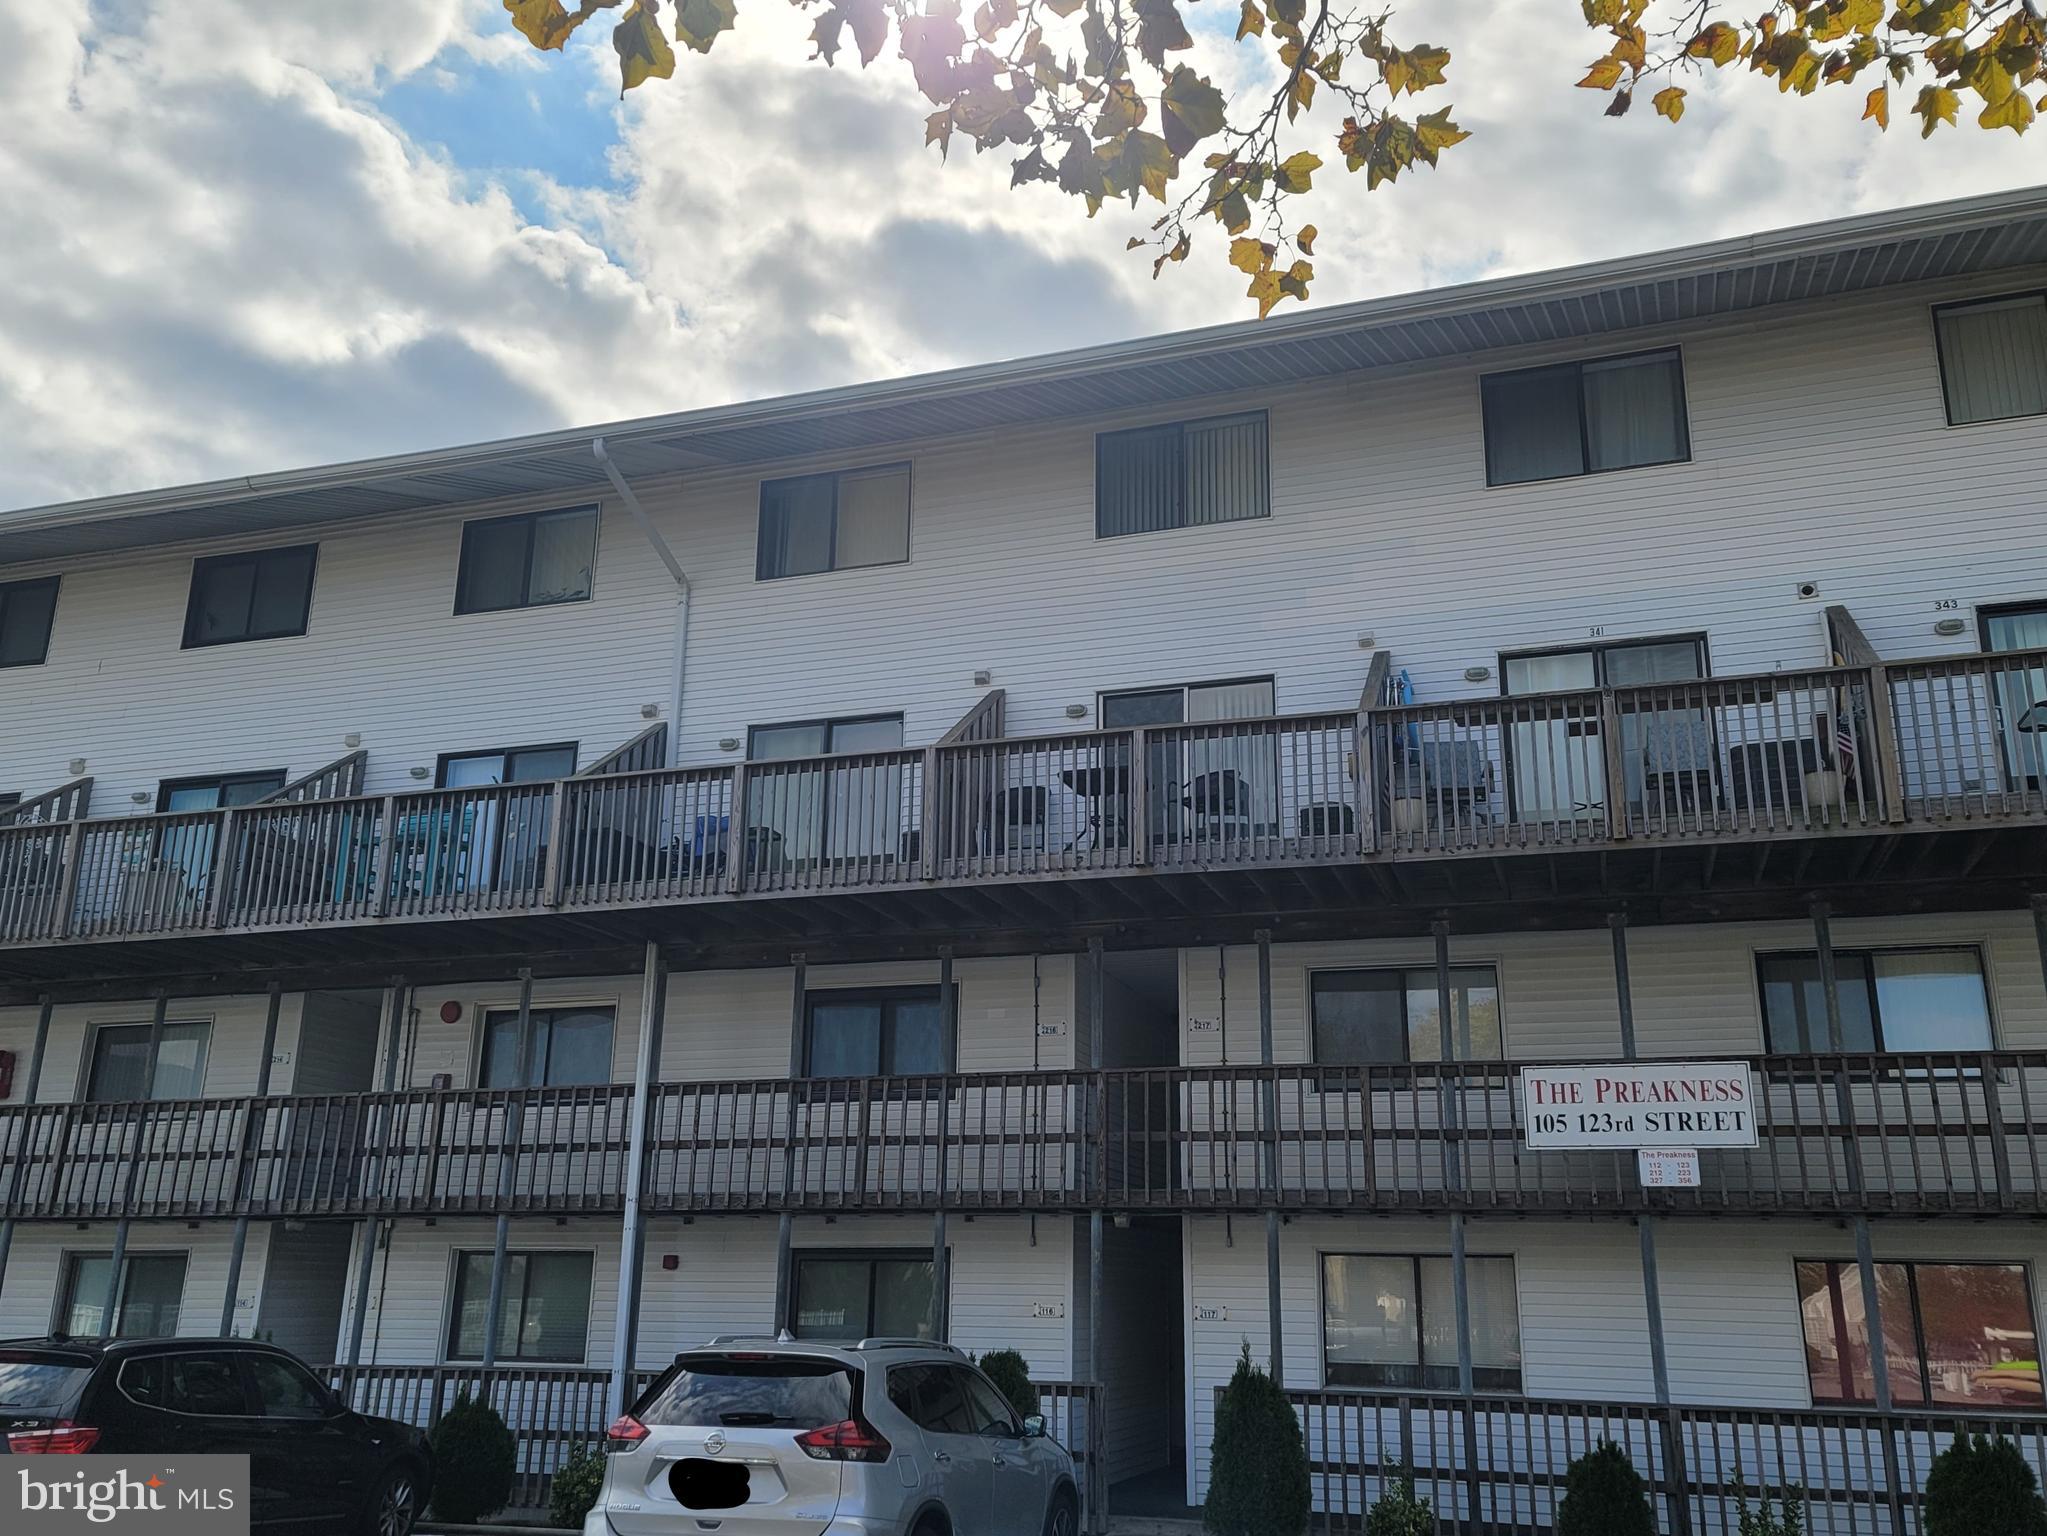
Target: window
872, 1295
211, 794
566, 1047
284, 1390
950, 1400
819, 738
710, 1391
515, 765
27, 610
1364, 1017
1891, 1000
1585, 418
1391, 1321
152, 1285
1954, 1334
204, 1385
262, 595
1993, 358
1181, 473
544, 1313
528, 561
811, 523
10, 799
874, 1034
120, 1062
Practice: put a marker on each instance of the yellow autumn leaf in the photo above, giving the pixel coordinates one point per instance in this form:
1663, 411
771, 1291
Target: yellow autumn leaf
643, 53
1249, 256
1297, 169
1669, 102
543, 22
1604, 75
2014, 112
1877, 108
1936, 104
1306, 239
1251, 21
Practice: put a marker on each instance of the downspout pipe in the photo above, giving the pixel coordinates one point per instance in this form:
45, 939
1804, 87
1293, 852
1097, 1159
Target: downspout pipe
659, 545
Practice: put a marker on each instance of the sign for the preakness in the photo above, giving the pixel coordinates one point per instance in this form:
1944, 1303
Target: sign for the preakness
1639, 1104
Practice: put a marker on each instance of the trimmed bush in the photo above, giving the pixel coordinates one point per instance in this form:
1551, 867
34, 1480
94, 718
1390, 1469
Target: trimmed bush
1258, 1467
1399, 1512
1982, 1487
1604, 1496
573, 1494
474, 1458
1011, 1374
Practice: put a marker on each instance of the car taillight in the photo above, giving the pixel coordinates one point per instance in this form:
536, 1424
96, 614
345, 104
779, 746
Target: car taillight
849, 1440
625, 1433
62, 1438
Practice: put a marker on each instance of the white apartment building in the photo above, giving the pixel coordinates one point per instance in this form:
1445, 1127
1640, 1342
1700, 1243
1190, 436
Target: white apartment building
1095, 855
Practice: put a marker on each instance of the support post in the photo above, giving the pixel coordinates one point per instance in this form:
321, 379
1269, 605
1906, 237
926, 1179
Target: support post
940, 1279
1830, 990
633, 1238
2039, 905
141, 1133
785, 1228
508, 1167
18, 1164
252, 1132
1268, 1154
785, 1231
394, 1014
948, 1032
1623, 988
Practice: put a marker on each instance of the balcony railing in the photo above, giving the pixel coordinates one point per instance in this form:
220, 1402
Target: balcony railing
554, 1409
1782, 754
1916, 1134
1497, 1463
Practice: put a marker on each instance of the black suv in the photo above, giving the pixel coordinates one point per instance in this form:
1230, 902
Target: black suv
314, 1464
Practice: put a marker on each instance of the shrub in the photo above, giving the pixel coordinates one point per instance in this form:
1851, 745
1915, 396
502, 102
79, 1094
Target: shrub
574, 1491
1011, 1374
1604, 1496
1765, 1520
1982, 1487
1399, 1512
474, 1458
1258, 1467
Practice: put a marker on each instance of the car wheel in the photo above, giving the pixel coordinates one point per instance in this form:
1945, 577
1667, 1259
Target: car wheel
1063, 1519
395, 1504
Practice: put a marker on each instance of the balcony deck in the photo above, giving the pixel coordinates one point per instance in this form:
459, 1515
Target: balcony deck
1917, 1135
1680, 797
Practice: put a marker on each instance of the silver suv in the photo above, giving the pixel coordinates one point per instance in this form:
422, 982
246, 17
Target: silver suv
887, 1437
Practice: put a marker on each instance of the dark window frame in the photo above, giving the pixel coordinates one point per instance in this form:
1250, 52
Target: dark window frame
1837, 1268
1876, 1022
869, 1256
451, 1332
1322, 1258
885, 996
1985, 612
464, 606
165, 788
1105, 696
830, 723
1577, 366
760, 525
1316, 974
1947, 403
486, 1012
89, 1056
1598, 648
67, 1281
55, 586
442, 760
1180, 425
256, 559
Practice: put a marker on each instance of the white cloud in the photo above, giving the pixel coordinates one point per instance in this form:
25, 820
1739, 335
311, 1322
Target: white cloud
226, 256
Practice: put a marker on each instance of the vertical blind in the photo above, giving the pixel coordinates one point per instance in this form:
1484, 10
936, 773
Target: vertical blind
1181, 473
1993, 359
1582, 418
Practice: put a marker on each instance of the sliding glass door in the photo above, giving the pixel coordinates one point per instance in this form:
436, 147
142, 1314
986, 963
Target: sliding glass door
1203, 786
2021, 692
825, 810
1558, 764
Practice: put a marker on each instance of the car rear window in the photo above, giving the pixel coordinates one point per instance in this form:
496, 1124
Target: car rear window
41, 1381
705, 1391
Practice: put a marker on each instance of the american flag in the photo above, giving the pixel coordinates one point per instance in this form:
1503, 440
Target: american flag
1844, 745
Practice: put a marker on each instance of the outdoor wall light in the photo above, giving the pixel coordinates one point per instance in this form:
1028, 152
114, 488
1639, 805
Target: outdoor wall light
1948, 626
650, 711
1477, 674
77, 766
983, 678
728, 743
352, 740
140, 797
1366, 642
417, 773
1076, 711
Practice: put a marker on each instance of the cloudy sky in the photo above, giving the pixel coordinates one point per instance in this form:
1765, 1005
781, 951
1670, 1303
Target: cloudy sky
247, 235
